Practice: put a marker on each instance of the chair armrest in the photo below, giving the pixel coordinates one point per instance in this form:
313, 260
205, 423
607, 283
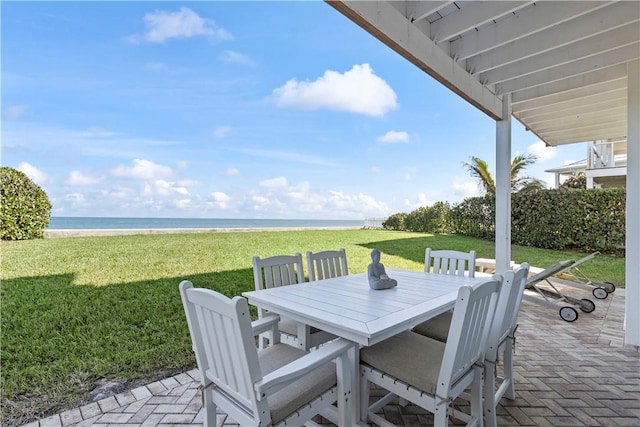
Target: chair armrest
283, 376
265, 324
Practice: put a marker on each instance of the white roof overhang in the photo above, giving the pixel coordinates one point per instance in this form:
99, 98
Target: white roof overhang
563, 63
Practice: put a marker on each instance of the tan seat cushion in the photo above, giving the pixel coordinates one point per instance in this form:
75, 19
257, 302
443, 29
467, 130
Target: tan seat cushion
290, 327
302, 391
409, 357
436, 328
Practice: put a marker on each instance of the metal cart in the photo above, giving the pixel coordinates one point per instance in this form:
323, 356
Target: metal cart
550, 296
576, 278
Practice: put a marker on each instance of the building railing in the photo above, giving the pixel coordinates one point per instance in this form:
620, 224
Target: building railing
607, 154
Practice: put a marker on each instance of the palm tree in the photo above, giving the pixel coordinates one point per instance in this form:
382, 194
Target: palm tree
478, 169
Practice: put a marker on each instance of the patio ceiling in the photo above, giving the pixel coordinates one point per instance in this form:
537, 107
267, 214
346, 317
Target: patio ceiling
563, 63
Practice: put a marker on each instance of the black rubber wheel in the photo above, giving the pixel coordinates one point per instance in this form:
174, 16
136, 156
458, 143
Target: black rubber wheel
587, 305
568, 314
600, 293
610, 287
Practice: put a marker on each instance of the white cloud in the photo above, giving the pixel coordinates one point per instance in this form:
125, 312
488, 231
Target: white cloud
156, 66
182, 164
121, 193
75, 198
221, 131
231, 172
14, 112
188, 183
274, 183
35, 174
99, 131
465, 188
142, 169
393, 137
421, 201
162, 25
376, 170
80, 179
183, 203
281, 199
164, 188
231, 56
219, 200
358, 90
541, 150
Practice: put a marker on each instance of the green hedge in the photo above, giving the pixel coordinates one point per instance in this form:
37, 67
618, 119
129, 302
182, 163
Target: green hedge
474, 217
552, 219
586, 219
429, 219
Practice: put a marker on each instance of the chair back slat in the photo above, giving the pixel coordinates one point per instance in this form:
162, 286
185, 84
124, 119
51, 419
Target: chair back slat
450, 262
507, 308
225, 350
327, 264
279, 270
469, 331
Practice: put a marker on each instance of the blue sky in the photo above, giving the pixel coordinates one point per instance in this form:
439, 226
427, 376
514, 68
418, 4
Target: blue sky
232, 110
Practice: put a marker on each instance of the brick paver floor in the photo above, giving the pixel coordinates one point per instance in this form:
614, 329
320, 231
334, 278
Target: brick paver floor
567, 374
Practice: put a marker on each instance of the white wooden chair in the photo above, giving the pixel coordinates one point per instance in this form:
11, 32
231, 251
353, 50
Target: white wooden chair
278, 386
502, 341
327, 264
456, 263
283, 270
428, 372
445, 262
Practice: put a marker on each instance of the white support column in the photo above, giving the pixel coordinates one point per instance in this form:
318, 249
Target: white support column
632, 271
503, 187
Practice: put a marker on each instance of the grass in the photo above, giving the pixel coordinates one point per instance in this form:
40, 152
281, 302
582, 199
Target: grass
78, 310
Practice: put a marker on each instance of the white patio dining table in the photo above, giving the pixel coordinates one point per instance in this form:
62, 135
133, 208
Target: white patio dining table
347, 307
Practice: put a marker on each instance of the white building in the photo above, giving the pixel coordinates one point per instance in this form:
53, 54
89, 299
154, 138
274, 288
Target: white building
604, 167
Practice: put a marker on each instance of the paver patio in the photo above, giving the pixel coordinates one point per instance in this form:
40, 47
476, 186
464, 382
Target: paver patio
567, 374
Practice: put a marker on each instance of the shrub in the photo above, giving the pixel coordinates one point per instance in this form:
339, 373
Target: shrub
395, 222
429, 219
589, 219
475, 217
574, 181
24, 207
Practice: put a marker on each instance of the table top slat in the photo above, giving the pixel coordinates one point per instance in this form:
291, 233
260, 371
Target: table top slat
347, 307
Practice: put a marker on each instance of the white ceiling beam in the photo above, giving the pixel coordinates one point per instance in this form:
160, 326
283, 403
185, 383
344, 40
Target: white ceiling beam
604, 133
596, 99
592, 24
472, 15
583, 130
579, 126
614, 56
599, 89
578, 106
623, 36
417, 10
582, 120
531, 20
391, 27
615, 72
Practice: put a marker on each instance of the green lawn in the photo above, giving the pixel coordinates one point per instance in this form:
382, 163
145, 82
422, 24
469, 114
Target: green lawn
77, 310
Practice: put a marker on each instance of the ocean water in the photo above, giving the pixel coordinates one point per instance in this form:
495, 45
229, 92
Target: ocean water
106, 223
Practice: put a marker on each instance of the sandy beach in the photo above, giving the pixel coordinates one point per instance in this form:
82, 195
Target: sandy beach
51, 234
